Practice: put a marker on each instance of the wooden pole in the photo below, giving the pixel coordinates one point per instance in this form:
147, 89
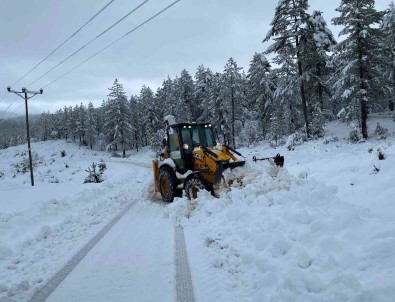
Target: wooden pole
28, 141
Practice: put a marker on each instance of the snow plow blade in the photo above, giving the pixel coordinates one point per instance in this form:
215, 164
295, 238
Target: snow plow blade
235, 164
278, 160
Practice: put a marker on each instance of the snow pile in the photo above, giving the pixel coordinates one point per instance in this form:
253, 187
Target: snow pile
321, 229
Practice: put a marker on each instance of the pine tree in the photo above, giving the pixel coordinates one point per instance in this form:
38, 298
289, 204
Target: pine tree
232, 97
215, 110
358, 57
91, 125
260, 90
58, 126
100, 131
65, 122
117, 125
285, 111
150, 115
188, 111
288, 30
81, 123
203, 80
166, 96
388, 46
318, 41
135, 121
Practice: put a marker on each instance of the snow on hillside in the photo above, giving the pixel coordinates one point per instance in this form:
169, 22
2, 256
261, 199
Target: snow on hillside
322, 229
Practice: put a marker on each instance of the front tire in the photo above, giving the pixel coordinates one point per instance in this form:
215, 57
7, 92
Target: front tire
194, 185
167, 184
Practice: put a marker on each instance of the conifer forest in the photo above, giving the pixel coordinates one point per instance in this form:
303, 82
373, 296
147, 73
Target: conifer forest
304, 77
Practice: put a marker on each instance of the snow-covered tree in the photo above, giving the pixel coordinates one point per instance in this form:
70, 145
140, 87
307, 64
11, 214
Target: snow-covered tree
318, 40
188, 109
203, 80
288, 29
232, 97
357, 58
388, 46
135, 121
117, 124
260, 90
151, 117
81, 123
91, 126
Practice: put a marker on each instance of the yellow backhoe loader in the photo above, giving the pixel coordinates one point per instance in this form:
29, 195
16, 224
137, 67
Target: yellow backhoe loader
192, 160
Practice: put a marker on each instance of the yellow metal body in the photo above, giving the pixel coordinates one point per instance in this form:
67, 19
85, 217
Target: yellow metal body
201, 161
204, 161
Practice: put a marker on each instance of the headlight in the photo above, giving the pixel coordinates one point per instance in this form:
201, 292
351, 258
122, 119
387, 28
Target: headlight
185, 146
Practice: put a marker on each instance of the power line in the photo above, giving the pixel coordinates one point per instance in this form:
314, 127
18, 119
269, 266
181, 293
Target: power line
9, 106
98, 36
3, 96
4, 111
76, 32
112, 43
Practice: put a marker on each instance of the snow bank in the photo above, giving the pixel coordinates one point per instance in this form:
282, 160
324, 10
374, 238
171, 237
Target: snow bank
321, 229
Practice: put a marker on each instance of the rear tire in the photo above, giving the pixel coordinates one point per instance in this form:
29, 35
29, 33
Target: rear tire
167, 184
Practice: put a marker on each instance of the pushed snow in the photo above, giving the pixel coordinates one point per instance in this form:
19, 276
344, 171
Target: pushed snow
297, 235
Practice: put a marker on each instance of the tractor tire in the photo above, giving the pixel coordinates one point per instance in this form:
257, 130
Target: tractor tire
194, 185
167, 184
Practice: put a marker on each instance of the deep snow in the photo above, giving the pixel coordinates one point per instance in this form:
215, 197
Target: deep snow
322, 229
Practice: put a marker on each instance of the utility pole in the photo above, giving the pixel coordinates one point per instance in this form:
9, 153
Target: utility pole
23, 94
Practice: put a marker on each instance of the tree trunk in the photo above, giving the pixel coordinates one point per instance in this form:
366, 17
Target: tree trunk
303, 96
302, 91
392, 102
233, 115
362, 102
137, 142
320, 90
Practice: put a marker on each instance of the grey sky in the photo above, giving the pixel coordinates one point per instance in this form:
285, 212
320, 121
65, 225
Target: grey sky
191, 33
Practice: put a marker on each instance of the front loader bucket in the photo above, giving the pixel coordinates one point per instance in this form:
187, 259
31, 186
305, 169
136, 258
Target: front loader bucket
236, 164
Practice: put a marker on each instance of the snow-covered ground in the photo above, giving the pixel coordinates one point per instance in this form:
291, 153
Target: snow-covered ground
322, 229
42, 227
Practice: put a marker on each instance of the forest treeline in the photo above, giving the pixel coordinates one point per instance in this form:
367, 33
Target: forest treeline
310, 80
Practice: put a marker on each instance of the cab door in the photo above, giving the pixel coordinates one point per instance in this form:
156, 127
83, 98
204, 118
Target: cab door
175, 148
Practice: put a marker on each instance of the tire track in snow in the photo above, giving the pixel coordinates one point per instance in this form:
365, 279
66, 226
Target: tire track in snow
44, 292
184, 286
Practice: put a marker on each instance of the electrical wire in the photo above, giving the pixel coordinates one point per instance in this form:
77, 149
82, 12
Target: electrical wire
64, 42
4, 111
115, 41
2, 98
9, 106
98, 36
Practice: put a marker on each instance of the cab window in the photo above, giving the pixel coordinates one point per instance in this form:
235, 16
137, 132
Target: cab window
174, 143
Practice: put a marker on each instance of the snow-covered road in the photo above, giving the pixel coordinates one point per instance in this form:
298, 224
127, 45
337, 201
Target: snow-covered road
134, 261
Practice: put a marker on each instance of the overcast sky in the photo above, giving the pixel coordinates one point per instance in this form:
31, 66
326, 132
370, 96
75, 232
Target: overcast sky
191, 33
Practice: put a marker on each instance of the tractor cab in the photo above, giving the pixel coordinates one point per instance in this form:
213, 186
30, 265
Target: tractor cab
185, 138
